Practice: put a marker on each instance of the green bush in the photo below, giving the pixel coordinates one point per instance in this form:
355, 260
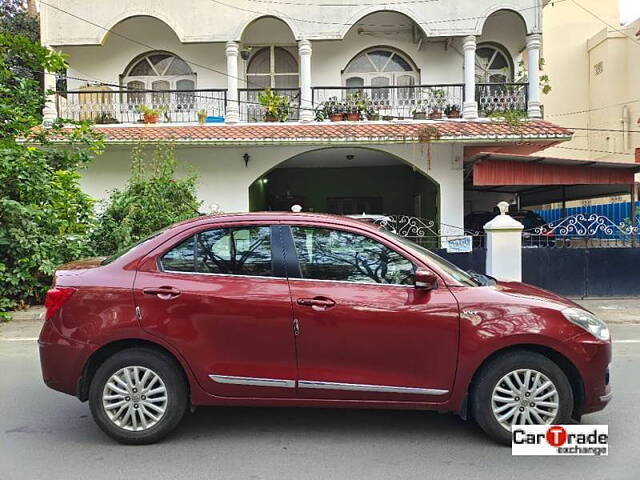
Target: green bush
152, 200
44, 215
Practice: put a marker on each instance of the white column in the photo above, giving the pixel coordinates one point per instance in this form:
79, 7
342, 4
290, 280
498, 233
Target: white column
534, 42
50, 111
504, 246
233, 112
470, 107
306, 106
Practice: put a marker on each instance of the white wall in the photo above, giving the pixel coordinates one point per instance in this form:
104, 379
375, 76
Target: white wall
206, 21
224, 180
439, 60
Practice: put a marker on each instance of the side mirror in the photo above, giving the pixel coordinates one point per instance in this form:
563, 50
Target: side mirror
425, 279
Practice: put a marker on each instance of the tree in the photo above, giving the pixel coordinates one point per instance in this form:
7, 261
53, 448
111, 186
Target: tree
44, 215
152, 199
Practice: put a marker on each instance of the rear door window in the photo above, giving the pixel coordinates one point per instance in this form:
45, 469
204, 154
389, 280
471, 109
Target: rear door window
226, 251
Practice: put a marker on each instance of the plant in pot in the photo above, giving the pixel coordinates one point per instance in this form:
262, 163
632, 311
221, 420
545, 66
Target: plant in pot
452, 111
275, 106
149, 114
371, 110
355, 106
333, 109
202, 117
437, 101
420, 112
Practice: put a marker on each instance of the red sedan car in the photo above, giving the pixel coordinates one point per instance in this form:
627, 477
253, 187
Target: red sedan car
277, 309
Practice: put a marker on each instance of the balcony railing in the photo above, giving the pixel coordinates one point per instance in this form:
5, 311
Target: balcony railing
252, 111
501, 97
105, 106
124, 106
393, 102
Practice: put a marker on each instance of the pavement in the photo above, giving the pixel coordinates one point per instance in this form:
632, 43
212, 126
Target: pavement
46, 434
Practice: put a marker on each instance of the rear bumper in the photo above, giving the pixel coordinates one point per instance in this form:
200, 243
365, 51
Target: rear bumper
61, 359
592, 358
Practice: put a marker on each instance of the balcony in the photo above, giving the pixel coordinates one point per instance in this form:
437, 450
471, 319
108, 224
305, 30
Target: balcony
103, 105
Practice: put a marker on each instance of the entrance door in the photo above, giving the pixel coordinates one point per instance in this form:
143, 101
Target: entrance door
364, 330
217, 297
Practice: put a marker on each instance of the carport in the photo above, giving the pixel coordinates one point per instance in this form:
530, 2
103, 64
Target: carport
536, 179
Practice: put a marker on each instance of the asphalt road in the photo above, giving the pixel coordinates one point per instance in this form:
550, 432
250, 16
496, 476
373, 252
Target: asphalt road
48, 435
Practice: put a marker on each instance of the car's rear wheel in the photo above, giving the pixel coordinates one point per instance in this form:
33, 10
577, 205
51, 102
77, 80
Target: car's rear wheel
138, 396
520, 388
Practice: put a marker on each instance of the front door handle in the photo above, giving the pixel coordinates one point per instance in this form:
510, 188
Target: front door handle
164, 293
317, 303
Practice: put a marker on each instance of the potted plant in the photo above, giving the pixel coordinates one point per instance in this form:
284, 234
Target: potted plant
420, 112
105, 118
437, 101
150, 115
452, 111
333, 109
275, 106
202, 117
372, 111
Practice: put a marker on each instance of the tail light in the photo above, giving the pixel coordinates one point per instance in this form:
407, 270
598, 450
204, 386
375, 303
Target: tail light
56, 297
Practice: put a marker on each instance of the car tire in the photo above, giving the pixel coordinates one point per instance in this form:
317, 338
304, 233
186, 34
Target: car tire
145, 388
490, 391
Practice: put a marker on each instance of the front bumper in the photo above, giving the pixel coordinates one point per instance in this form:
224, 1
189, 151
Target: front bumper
62, 360
591, 357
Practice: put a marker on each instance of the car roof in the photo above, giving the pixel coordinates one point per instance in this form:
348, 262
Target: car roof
278, 217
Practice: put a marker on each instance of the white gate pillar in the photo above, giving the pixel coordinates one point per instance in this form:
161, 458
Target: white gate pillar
233, 111
50, 111
504, 246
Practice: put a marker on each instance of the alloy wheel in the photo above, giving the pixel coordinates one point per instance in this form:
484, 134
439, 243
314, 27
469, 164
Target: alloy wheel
525, 397
135, 398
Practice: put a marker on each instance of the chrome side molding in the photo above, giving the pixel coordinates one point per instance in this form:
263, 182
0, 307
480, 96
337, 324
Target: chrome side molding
354, 387
358, 387
253, 381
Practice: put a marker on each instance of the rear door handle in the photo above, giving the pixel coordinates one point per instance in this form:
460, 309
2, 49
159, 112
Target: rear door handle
165, 293
317, 303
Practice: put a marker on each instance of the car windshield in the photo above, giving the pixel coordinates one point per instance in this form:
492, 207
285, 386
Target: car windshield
469, 279
129, 248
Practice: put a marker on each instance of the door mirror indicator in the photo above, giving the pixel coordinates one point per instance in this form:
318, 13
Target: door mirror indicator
425, 279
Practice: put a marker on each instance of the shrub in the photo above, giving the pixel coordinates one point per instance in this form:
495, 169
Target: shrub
44, 215
152, 199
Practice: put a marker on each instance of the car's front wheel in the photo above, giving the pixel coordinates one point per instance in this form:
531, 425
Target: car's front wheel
138, 396
520, 388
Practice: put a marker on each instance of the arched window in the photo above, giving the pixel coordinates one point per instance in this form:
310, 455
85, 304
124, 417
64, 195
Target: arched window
493, 64
380, 67
159, 71
274, 67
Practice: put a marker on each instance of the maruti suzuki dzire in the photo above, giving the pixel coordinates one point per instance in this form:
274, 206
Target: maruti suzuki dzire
295, 309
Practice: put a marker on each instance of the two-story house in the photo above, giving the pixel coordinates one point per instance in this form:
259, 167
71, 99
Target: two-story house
384, 101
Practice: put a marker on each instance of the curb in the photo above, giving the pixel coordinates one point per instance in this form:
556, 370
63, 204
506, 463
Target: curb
32, 314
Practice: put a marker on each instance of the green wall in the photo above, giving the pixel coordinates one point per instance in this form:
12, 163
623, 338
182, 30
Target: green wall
397, 185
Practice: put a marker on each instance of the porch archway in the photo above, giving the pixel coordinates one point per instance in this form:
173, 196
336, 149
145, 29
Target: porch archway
347, 181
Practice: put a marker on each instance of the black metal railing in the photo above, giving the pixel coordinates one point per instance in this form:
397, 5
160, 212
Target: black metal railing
106, 106
389, 102
502, 97
251, 110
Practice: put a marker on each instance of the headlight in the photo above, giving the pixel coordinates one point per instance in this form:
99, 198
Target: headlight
588, 321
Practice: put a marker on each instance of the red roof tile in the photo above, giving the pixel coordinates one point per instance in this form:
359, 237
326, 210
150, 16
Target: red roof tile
409, 132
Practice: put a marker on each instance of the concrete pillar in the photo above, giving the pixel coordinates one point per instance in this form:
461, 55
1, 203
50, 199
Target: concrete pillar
233, 112
306, 106
534, 42
470, 107
504, 246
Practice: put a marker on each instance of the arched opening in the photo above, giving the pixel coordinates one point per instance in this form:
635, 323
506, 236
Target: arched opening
269, 59
347, 181
500, 57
